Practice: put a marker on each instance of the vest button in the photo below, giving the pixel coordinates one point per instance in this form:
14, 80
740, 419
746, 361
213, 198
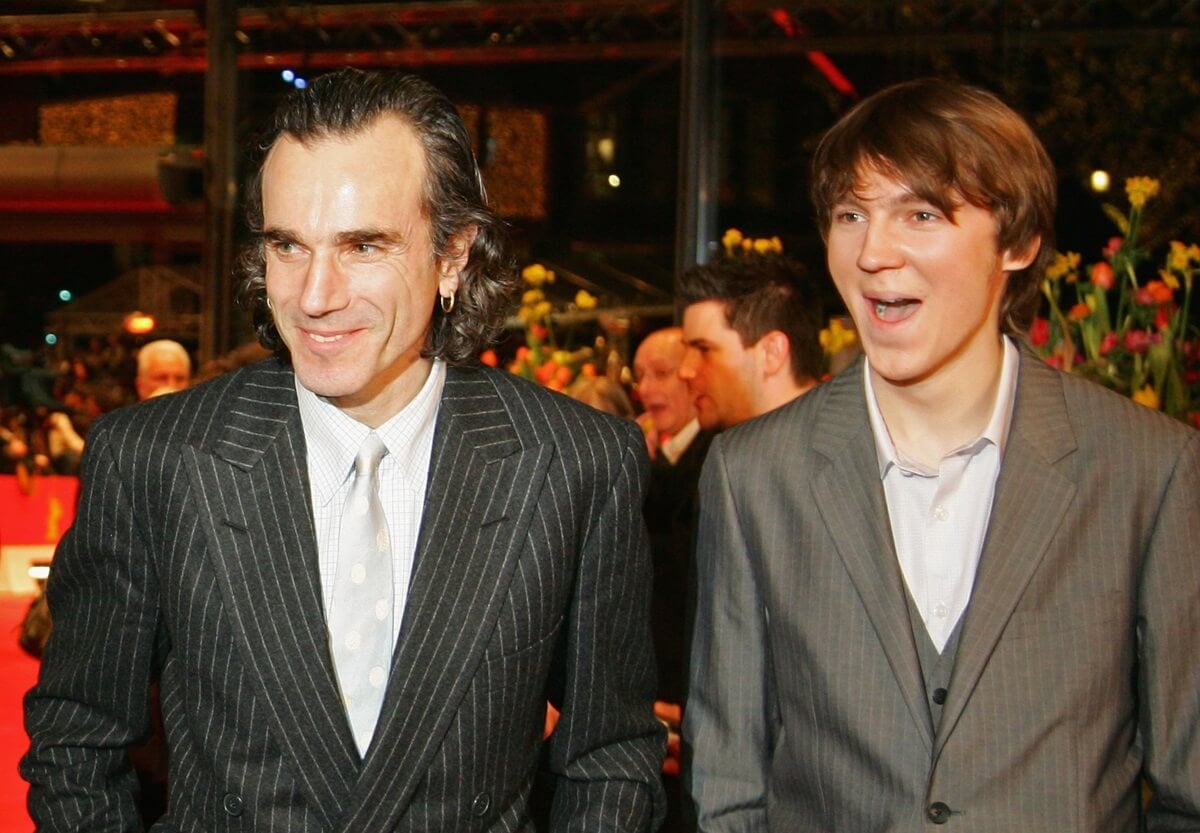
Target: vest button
938, 812
233, 804
939, 696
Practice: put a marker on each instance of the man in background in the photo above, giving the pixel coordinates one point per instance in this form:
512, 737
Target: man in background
366, 563
752, 327
163, 366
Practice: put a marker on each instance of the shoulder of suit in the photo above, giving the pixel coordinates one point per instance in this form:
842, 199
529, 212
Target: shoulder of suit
204, 404
536, 410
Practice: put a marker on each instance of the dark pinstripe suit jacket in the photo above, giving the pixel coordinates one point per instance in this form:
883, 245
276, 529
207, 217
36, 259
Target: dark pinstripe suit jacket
1078, 666
194, 550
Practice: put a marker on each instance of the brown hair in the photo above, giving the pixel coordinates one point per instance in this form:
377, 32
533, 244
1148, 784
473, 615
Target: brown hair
948, 142
348, 101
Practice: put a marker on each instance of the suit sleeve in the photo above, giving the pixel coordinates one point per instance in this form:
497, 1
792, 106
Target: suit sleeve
728, 730
91, 700
608, 747
1169, 651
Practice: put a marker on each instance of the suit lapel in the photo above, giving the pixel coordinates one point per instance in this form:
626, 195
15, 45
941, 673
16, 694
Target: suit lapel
849, 494
255, 484
484, 483
1029, 486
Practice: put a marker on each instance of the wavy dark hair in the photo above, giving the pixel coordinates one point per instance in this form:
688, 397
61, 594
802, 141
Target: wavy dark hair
947, 141
761, 293
347, 101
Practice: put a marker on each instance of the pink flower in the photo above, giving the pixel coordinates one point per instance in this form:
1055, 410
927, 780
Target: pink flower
1137, 341
1108, 342
1102, 274
1039, 333
1114, 246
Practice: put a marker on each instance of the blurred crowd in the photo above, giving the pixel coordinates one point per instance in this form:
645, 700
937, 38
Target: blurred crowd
49, 400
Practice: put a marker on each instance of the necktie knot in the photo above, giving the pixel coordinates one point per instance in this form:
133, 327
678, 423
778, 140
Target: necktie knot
369, 455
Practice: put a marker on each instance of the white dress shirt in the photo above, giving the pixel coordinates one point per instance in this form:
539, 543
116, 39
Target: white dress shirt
333, 440
939, 517
676, 444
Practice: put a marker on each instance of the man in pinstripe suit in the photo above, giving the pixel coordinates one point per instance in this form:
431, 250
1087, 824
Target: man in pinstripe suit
206, 542
952, 586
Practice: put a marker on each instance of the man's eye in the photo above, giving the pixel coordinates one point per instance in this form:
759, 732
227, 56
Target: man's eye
849, 216
365, 249
924, 216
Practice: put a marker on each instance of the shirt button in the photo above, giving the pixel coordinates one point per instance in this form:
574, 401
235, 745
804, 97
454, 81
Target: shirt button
233, 804
941, 513
941, 611
938, 812
939, 696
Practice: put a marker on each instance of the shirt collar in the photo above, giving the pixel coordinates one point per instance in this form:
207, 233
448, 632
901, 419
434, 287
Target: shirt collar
333, 437
995, 432
678, 443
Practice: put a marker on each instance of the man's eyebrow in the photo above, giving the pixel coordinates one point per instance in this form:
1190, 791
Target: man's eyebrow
368, 235
277, 235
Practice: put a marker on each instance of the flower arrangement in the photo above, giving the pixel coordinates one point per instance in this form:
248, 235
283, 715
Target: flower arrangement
735, 243
541, 358
1143, 345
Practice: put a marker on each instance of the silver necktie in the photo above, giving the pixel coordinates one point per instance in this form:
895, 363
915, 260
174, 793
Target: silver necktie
360, 620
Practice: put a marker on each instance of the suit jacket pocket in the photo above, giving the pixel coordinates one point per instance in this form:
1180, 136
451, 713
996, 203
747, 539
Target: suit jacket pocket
520, 664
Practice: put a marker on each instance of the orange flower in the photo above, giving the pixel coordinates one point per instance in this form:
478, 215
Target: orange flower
1160, 292
489, 358
1079, 312
1102, 275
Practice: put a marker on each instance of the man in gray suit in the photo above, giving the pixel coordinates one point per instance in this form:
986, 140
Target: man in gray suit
210, 533
952, 586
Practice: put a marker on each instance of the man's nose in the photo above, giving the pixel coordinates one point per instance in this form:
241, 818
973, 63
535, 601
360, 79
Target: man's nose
880, 248
325, 286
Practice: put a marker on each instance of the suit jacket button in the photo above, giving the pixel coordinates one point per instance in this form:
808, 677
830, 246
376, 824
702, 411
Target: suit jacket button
233, 804
938, 813
939, 696
481, 804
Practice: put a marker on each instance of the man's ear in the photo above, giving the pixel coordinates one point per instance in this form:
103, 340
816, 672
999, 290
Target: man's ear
458, 252
775, 353
1016, 261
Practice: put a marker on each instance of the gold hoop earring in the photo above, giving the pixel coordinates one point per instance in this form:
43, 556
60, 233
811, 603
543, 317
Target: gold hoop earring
447, 302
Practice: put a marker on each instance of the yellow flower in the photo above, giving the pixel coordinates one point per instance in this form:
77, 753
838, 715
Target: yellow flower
836, 337
1169, 279
776, 245
763, 246
542, 310
585, 299
1140, 189
1063, 264
535, 274
532, 296
1182, 256
1146, 396
731, 240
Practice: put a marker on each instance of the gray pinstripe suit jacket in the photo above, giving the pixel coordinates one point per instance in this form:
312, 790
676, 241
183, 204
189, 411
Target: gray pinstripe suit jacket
194, 549
1078, 667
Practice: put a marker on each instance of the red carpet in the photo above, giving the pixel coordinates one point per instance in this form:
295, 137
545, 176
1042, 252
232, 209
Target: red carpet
18, 671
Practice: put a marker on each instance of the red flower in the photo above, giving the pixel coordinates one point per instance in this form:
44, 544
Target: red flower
1107, 343
1039, 333
1161, 320
1137, 341
1114, 245
1160, 292
1102, 275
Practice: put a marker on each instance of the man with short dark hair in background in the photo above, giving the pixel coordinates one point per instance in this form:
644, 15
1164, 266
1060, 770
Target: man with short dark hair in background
752, 326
